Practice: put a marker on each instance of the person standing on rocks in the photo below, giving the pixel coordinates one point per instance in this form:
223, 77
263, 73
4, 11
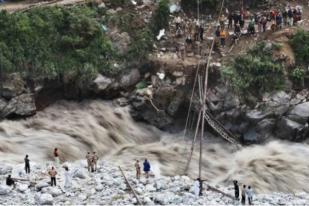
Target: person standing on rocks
146, 168
52, 173
67, 178
56, 157
243, 195
89, 160
94, 162
236, 188
27, 164
138, 169
249, 194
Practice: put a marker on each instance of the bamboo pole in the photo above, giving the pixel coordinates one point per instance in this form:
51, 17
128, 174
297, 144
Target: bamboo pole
130, 187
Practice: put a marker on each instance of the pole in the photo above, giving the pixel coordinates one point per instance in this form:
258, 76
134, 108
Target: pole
204, 104
130, 187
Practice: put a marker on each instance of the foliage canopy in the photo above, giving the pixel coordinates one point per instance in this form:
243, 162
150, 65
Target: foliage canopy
51, 41
255, 72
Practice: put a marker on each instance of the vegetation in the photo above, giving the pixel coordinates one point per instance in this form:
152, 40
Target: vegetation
298, 76
53, 41
300, 44
160, 18
255, 72
140, 34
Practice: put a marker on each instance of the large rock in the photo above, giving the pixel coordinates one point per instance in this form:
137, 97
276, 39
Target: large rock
266, 126
13, 86
287, 129
300, 113
4, 190
174, 105
3, 104
120, 41
45, 199
23, 105
130, 79
41, 185
101, 83
80, 173
256, 115
55, 191
22, 187
277, 98
5, 169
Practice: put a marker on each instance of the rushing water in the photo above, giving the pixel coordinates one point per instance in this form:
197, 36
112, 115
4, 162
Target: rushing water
76, 128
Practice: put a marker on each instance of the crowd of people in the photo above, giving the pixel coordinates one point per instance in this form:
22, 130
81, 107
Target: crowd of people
52, 172
237, 23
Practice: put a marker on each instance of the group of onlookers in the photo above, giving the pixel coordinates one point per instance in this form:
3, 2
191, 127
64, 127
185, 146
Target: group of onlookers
240, 21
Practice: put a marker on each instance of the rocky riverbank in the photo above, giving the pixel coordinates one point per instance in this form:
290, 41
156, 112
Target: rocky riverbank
107, 187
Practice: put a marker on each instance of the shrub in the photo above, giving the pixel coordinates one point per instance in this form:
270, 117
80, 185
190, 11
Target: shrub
300, 44
298, 76
255, 72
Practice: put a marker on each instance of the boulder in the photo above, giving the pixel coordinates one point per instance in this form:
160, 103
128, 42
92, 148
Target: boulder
23, 105
3, 104
22, 188
45, 199
150, 188
300, 113
130, 79
41, 185
266, 126
4, 190
287, 129
277, 98
160, 184
54, 191
13, 86
80, 173
99, 188
101, 83
5, 169
256, 115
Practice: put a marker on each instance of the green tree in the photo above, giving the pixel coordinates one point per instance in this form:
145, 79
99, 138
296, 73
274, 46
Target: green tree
300, 44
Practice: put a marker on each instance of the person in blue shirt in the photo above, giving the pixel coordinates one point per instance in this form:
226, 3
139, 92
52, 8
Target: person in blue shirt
146, 168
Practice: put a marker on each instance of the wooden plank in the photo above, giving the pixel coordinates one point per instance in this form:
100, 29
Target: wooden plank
219, 191
130, 187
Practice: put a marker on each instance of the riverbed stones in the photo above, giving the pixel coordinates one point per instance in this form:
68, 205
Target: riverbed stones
4, 190
45, 199
5, 169
22, 188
